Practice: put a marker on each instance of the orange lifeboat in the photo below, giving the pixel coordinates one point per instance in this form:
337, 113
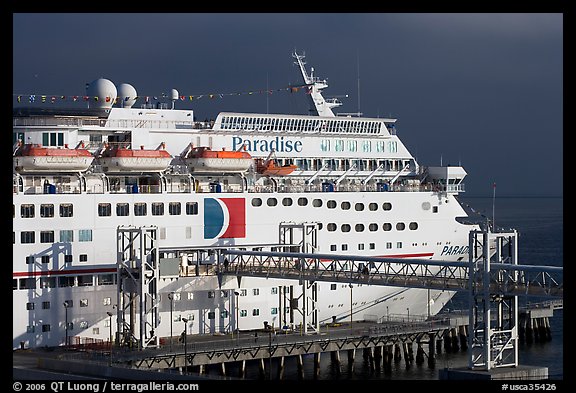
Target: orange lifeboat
119, 159
37, 158
206, 160
270, 168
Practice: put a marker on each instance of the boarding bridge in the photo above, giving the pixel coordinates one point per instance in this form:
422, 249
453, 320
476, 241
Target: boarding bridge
493, 283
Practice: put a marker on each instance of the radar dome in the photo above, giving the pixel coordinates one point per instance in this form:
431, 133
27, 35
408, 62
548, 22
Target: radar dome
126, 95
104, 90
174, 94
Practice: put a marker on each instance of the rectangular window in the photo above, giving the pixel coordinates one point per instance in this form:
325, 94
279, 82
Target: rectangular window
140, 209
28, 283
27, 237
255, 312
372, 246
29, 259
66, 236
85, 281
243, 292
122, 209
399, 245
274, 291
46, 210
45, 328
46, 236
157, 208
30, 306
333, 247
83, 258
85, 235
105, 279
65, 281
243, 313
332, 287
274, 311
360, 246
30, 329
344, 247
47, 282
211, 315
224, 314
27, 211
191, 208
45, 305
256, 291
83, 302
66, 210
210, 294
67, 258
104, 209
45, 259
388, 245
174, 208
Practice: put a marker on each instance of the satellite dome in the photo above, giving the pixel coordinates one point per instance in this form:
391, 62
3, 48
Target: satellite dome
174, 94
126, 95
104, 90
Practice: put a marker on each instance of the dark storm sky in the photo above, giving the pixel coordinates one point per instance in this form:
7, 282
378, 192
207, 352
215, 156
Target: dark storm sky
482, 89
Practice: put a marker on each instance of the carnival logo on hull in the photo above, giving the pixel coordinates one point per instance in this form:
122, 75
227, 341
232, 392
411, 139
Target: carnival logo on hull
224, 218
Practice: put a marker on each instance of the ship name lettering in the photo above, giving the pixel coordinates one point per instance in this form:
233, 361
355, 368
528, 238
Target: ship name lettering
278, 144
453, 250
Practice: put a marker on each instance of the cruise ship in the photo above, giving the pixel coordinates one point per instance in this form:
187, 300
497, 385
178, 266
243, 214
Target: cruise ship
80, 175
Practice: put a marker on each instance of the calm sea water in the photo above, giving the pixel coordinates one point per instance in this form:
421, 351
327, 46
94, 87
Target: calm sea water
539, 222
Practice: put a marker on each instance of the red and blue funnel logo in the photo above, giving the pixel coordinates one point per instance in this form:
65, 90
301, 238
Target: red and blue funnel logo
224, 218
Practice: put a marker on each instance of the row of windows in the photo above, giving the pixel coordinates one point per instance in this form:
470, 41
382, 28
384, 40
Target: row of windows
331, 204
65, 236
373, 227
353, 145
105, 209
361, 246
63, 281
296, 124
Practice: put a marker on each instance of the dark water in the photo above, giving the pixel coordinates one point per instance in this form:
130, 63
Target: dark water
539, 222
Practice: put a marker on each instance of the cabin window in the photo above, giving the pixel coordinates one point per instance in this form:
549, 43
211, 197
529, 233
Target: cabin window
317, 203
122, 209
85, 235
45, 328
360, 246
104, 209
45, 259
29, 259
387, 226
157, 208
344, 247
30, 306
272, 202
373, 206
46, 210
372, 246
256, 202
28, 283
331, 227
302, 201
333, 247
413, 226
359, 227
66, 281
47, 282
66, 236
387, 206
243, 313
345, 228
140, 209
174, 208
66, 210
345, 205
85, 281
373, 227
287, 202
331, 204
400, 226
191, 208
388, 245
27, 211
27, 237
46, 236
359, 207
255, 312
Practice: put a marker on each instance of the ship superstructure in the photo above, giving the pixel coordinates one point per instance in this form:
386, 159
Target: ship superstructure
233, 181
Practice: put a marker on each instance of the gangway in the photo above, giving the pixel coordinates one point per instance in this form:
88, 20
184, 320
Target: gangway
492, 277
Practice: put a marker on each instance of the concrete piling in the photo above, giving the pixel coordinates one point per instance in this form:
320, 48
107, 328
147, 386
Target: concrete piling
351, 355
281, 368
419, 353
397, 353
300, 365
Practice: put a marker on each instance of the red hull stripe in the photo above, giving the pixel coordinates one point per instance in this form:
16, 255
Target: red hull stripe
62, 272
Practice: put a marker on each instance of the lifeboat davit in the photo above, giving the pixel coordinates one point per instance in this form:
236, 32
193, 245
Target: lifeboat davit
271, 168
206, 160
37, 158
119, 159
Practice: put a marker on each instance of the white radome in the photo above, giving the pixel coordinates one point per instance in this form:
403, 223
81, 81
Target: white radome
106, 92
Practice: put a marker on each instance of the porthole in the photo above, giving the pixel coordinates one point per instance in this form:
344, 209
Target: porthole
272, 202
373, 227
373, 206
387, 226
345, 205
331, 227
359, 207
331, 204
413, 226
256, 202
345, 228
387, 206
317, 203
287, 202
302, 201
400, 226
359, 227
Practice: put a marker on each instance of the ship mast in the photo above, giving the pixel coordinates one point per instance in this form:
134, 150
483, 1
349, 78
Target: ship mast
321, 106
